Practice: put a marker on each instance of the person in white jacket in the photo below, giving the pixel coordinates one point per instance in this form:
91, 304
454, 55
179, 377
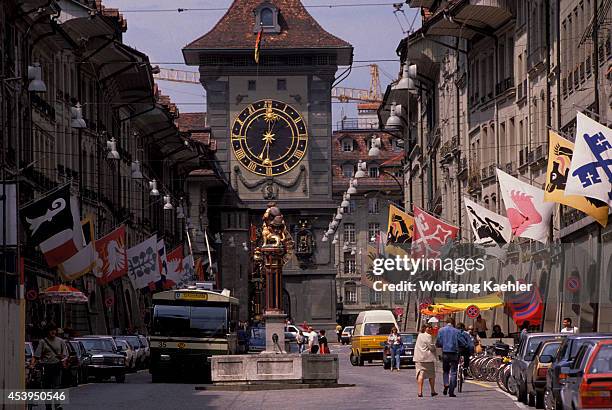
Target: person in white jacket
425, 359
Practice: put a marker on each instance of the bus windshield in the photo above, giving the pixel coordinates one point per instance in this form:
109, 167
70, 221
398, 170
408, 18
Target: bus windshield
190, 321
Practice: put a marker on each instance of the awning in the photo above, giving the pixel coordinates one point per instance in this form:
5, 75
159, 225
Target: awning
449, 306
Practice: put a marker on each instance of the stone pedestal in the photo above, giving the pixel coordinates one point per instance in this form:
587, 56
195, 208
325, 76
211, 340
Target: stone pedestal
275, 325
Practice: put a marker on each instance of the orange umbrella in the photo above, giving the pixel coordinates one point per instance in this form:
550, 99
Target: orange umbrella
63, 294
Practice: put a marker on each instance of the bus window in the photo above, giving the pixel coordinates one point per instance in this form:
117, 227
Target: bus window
191, 321
210, 321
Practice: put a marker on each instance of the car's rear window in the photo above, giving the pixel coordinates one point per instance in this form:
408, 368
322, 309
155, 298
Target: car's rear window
533, 344
602, 363
550, 349
409, 338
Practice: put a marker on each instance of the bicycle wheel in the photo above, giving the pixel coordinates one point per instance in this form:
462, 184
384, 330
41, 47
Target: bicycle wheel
500, 378
492, 368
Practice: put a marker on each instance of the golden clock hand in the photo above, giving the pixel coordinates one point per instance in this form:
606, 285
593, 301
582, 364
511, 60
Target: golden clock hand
266, 145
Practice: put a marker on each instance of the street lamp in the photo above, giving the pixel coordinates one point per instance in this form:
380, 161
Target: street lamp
153, 188
375, 145
394, 121
351, 190
136, 171
345, 203
36, 85
167, 203
409, 71
361, 168
111, 145
76, 117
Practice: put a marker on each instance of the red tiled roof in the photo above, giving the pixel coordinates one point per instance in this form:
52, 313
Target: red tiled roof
191, 121
298, 29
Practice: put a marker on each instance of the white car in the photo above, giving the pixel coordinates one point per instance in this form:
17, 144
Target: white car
130, 354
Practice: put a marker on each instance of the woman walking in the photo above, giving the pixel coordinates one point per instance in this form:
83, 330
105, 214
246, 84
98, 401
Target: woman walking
425, 359
395, 345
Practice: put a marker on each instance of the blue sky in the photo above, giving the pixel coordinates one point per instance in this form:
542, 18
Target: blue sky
373, 31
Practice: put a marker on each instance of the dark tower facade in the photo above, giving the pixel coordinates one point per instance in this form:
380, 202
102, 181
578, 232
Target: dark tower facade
272, 122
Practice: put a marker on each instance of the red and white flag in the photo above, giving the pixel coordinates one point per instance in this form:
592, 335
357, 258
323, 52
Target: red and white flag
430, 234
111, 256
175, 266
84, 260
529, 215
53, 223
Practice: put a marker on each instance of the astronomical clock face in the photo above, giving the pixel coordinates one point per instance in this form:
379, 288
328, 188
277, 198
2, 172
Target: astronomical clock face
269, 138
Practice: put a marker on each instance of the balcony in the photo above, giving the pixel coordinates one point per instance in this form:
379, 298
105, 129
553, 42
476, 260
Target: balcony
536, 58
463, 167
521, 91
43, 107
523, 157
474, 180
504, 85
435, 203
509, 168
537, 156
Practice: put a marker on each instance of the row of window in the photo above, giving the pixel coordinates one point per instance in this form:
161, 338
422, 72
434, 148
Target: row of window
281, 84
349, 232
349, 144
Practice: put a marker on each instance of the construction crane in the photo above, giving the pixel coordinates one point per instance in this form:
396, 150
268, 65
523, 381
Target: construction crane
343, 94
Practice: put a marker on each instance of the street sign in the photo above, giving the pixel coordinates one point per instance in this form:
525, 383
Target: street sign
572, 284
399, 311
109, 301
31, 294
472, 311
423, 306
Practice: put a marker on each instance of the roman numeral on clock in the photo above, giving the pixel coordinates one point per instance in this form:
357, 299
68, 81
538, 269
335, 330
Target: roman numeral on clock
286, 166
269, 171
240, 154
299, 154
252, 166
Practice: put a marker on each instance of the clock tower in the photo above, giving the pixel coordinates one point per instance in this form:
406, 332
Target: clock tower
268, 69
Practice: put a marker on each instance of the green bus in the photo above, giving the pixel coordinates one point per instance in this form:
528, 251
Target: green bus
188, 327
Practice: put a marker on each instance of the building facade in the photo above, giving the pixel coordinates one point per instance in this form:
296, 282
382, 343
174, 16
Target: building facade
493, 78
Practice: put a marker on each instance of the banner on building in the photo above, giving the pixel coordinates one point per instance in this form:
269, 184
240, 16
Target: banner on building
53, 224
590, 172
111, 256
400, 226
430, 234
529, 215
488, 227
188, 272
8, 214
143, 266
175, 266
560, 152
162, 261
84, 260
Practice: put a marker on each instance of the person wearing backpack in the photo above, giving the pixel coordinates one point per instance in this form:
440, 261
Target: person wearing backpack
466, 347
51, 352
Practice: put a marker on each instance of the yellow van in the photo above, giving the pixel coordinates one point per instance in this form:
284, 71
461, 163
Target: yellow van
372, 328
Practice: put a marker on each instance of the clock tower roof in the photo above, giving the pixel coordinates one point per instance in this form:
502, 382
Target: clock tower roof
297, 29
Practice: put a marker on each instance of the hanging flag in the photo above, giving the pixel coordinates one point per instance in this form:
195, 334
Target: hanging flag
175, 266
367, 275
8, 214
430, 234
53, 224
143, 265
85, 259
560, 153
200, 271
590, 172
529, 215
161, 253
111, 256
489, 228
188, 272
258, 45
400, 227
526, 306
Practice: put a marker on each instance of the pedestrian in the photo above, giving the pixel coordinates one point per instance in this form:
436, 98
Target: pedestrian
323, 346
567, 326
425, 359
481, 327
448, 341
339, 332
313, 341
299, 338
475, 337
51, 351
497, 332
394, 341
467, 347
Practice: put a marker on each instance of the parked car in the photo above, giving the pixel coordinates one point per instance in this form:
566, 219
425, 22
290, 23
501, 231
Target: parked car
293, 329
347, 333
128, 352
588, 384
134, 342
84, 360
106, 361
71, 372
406, 353
257, 339
146, 356
526, 352
537, 369
565, 357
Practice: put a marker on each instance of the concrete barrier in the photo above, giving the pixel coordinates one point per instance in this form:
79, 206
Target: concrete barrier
269, 368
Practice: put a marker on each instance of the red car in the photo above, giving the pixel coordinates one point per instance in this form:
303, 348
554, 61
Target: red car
589, 380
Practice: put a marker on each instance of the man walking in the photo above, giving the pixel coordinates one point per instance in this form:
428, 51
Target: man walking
339, 332
313, 341
448, 340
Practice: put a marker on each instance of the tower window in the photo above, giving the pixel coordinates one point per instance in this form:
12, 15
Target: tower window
252, 85
267, 17
281, 84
